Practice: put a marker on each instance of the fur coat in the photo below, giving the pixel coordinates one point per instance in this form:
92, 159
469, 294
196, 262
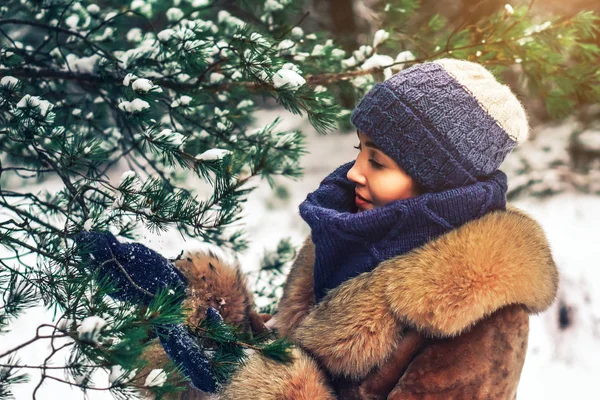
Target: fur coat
448, 320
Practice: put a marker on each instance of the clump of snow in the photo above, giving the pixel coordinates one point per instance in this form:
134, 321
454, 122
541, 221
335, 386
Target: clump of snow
258, 38
110, 15
292, 67
108, 32
174, 14
90, 328
317, 50
236, 75
221, 113
142, 85
156, 377
245, 104
297, 33
134, 35
212, 154
185, 34
88, 224
286, 47
349, 62
8, 81
226, 18
146, 49
72, 21
379, 61
362, 81
403, 57
172, 137
165, 35
362, 53
216, 77
117, 375
128, 78
338, 54
135, 106
380, 37
143, 7
93, 9
85, 65
182, 101
288, 78
273, 5
35, 101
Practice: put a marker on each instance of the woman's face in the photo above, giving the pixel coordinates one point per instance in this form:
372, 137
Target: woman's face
379, 180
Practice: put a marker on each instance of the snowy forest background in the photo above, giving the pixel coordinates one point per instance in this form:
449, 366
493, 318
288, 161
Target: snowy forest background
555, 177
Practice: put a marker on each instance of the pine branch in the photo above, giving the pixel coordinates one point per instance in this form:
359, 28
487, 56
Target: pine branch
58, 29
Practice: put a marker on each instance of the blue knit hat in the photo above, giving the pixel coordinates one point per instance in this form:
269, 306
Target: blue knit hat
447, 123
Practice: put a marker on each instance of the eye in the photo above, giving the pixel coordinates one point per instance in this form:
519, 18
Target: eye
357, 147
375, 164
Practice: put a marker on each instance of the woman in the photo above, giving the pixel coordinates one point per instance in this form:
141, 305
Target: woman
418, 279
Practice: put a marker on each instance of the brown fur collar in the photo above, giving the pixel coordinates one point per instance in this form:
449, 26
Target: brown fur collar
451, 283
442, 289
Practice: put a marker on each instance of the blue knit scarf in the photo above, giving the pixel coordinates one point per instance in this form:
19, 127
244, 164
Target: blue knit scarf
348, 243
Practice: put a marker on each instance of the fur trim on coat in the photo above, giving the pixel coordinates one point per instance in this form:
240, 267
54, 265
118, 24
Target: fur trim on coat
299, 380
467, 294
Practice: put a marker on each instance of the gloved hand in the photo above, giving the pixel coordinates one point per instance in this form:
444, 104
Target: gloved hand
138, 273
135, 270
183, 349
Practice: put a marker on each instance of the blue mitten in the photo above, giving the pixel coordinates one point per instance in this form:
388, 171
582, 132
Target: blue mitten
135, 270
182, 347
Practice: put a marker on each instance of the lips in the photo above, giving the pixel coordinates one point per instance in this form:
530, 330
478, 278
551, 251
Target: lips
361, 197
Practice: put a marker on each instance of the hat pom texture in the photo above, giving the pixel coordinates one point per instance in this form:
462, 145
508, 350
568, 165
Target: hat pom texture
447, 123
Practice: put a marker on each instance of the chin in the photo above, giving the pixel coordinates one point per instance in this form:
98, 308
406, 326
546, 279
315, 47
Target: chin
369, 207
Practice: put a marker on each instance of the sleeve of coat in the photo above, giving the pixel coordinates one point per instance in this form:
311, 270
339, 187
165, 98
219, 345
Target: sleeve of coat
483, 363
266, 379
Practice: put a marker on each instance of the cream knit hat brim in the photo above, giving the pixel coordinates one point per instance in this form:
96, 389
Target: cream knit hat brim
497, 99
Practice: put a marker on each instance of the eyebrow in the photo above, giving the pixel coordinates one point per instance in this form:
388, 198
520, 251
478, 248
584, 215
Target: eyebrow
368, 143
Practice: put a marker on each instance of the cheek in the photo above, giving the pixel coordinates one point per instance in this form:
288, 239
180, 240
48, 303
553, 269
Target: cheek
390, 187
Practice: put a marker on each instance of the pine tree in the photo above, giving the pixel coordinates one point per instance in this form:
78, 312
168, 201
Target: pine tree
168, 88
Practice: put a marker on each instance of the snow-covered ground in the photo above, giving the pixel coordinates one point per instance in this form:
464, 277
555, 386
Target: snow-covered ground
561, 363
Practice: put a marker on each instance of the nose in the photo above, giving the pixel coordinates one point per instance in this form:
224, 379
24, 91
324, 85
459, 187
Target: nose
355, 175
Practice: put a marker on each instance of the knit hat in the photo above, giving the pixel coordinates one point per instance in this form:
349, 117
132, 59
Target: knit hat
447, 123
